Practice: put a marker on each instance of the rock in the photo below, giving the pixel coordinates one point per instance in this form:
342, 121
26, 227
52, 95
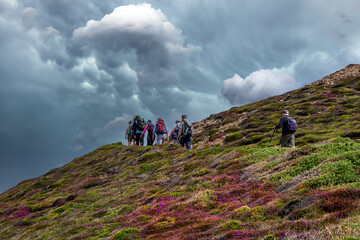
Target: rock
148, 200
100, 214
297, 204
220, 237
174, 182
112, 170
58, 203
71, 197
215, 163
225, 157
289, 208
218, 116
187, 157
25, 223
243, 122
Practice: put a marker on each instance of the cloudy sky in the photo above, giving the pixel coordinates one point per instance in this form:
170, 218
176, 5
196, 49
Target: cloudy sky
72, 73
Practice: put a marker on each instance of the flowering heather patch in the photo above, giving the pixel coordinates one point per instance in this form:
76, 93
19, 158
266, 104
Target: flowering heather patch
247, 234
21, 213
340, 200
300, 226
247, 192
329, 95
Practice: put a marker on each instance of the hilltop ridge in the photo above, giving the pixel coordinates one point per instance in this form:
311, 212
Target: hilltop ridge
351, 70
317, 103
230, 186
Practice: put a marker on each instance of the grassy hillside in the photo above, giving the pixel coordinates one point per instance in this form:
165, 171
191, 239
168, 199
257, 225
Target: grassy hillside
230, 186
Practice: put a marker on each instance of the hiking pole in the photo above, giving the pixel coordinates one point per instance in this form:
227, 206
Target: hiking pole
272, 136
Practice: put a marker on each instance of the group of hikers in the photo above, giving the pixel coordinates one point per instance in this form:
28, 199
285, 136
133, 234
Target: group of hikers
158, 133
182, 131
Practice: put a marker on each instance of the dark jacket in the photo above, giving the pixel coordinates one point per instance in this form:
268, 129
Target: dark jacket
136, 129
150, 129
283, 124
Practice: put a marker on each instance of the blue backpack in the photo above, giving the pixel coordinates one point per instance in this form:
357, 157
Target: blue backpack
291, 124
175, 134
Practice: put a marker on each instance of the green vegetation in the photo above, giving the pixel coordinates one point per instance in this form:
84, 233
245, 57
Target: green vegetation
231, 186
330, 158
233, 137
127, 234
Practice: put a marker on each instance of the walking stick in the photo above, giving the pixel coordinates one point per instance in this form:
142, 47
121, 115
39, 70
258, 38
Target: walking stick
272, 136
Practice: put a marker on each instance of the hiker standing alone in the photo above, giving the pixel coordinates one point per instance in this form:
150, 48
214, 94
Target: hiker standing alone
150, 128
185, 133
289, 127
160, 132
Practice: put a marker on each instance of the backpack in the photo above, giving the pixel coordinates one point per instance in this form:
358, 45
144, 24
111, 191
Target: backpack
188, 129
291, 124
141, 124
151, 128
160, 128
175, 133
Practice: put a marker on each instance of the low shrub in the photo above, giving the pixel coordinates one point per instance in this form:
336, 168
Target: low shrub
127, 234
233, 137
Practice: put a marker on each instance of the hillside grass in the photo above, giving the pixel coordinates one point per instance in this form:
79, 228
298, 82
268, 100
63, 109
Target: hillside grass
238, 185
167, 192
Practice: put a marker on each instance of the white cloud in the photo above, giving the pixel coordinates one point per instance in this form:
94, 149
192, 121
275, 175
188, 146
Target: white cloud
88, 86
258, 85
141, 42
118, 123
138, 27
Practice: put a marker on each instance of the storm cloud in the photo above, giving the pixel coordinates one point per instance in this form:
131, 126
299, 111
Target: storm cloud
143, 34
73, 73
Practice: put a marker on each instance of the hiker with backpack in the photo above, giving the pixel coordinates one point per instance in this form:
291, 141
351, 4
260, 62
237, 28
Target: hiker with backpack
160, 132
175, 132
289, 127
186, 131
128, 134
138, 127
150, 130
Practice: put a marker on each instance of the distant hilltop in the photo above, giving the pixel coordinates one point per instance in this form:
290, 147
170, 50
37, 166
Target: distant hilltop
351, 70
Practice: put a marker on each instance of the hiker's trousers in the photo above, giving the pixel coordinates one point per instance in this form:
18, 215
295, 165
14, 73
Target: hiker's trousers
160, 138
185, 141
287, 140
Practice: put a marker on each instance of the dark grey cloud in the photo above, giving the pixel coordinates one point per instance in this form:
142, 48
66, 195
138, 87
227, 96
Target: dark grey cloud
73, 72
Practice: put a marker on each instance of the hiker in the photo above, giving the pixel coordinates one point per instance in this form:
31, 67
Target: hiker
128, 134
138, 127
186, 131
175, 132
160, 132
289, 127
150, 130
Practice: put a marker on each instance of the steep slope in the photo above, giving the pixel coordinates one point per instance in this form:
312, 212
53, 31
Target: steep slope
231, 186
326, 108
